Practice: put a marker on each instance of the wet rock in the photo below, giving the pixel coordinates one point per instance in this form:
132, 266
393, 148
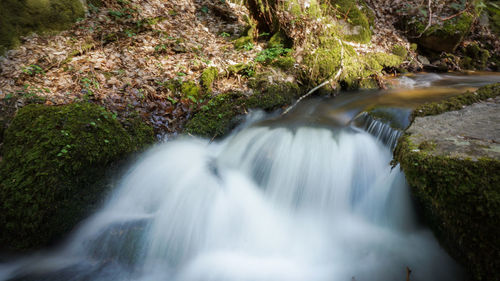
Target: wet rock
452, 163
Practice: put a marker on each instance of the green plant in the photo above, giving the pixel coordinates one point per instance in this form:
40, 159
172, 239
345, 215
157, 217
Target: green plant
89, 85
160, 48
33, 70
225, 34
270, 54
130, 33
248, 46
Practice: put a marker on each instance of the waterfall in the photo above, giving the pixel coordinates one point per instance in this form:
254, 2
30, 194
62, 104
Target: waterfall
379, 129
267, 203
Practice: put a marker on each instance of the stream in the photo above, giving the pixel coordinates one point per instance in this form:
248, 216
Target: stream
305, 196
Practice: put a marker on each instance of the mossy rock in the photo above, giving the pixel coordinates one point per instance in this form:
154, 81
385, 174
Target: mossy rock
457, 102
54, 168
475, 57
22, 17
220, 114
216, 118
440, 37
493, 9
460, 199
247, 39
208, 77
399, 50
456, 181
358, 23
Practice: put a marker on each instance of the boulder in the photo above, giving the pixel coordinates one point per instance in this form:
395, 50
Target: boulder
54, 168
452, 163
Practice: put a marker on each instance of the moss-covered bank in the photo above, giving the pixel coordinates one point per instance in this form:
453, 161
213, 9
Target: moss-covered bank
457, 102
219, 115
54, 167
459, 196
22, 17
319, 33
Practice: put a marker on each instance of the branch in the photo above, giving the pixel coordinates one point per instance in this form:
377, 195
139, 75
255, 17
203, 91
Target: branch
430, 18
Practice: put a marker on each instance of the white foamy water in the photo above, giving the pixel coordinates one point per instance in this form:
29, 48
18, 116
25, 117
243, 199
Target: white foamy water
265, 204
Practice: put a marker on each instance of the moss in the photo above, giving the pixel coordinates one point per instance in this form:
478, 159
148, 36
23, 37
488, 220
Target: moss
271, 95
248, 36
461, 202
323, 62
244, 69
279, 40
219, 115
216, 118
208, 77
356, 18
442, 37
285, 63
460, 198
96, 3
493, 9
54, 168
22, 17
359, 71
476, 58
190, 89
399, 50
457, 102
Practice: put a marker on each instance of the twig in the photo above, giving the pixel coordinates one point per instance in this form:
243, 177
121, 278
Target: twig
430, 19
455, 15
408, 272
335, 78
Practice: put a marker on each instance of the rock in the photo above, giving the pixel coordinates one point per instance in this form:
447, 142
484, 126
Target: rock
22, 17
423, 60
54, 168
443, 36
452, 163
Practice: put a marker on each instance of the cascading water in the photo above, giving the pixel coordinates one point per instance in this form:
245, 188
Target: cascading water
273, 201
265, 204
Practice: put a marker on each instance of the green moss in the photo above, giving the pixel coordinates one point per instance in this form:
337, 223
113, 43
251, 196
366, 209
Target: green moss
461, 202
279, 40
248, 36
208, 77
216, 118
96, 3
244, 69
323, 62
54, 167
459, 197
219, 115
285, 63
476, 58
440, 37
399, 50
190, 89
270, 96
356, 18
493, 9
22, 17
457, 102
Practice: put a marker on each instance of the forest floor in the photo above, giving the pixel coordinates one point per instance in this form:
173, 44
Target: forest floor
125, 55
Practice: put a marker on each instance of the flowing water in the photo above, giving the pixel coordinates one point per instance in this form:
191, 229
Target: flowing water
306, 196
